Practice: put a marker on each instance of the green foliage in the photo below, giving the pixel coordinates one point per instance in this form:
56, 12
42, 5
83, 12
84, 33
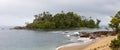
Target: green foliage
91, 23
115, 23
118, 36
98, 22
118, 14
61, 20
33, 25
115, 44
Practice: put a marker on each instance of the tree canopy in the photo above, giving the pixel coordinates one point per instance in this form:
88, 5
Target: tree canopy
61, 20
115, 23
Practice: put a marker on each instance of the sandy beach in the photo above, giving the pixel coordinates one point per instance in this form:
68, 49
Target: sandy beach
101, 44
73, 46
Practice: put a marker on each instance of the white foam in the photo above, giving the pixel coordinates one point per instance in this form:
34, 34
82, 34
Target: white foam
86, 41
68, 35
72, 44
76, 32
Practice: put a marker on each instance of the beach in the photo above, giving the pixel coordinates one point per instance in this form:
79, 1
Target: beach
100, 44
73, 46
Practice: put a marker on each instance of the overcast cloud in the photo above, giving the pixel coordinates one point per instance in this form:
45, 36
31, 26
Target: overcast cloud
17, 12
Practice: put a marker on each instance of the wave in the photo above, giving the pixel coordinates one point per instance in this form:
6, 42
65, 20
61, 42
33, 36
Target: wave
86, 41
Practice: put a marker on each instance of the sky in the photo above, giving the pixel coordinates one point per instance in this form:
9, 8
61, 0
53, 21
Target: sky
17, 12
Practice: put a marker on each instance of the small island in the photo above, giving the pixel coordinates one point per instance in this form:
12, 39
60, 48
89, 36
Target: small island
61, 20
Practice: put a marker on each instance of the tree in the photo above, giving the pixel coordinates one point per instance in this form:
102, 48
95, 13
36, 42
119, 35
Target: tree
118, 14
115, 44
97, 23
34, 25
61, 20
115, 24
91, 23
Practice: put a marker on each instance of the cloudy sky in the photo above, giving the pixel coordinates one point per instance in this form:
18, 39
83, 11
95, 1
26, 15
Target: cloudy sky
17, 12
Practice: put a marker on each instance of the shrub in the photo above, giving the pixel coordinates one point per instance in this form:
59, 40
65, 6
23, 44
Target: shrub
115, 44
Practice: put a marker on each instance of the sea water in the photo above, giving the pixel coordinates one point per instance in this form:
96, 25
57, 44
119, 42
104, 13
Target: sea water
35, 39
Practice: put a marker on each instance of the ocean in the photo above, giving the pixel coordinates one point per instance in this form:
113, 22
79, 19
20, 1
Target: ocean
36, 39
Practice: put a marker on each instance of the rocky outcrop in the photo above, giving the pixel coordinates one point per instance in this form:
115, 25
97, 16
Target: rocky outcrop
84, 34
19, 27
94, 35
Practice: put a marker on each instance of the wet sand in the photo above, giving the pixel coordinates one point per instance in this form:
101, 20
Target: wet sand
76, 46
101, 44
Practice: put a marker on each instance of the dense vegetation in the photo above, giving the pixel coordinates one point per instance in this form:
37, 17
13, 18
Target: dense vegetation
61, 20
115, 25
115, 22
115, 44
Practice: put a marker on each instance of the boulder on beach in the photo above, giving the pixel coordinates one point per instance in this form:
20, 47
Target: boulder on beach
84, 34
92, 37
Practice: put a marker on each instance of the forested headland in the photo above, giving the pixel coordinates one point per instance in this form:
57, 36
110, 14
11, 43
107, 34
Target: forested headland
62, 20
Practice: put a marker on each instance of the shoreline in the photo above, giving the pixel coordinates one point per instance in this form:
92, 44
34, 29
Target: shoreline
101, 44
98, 44
76, 45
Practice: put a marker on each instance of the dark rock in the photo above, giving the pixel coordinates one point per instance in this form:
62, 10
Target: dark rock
92, 37
84, 34
19, 27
